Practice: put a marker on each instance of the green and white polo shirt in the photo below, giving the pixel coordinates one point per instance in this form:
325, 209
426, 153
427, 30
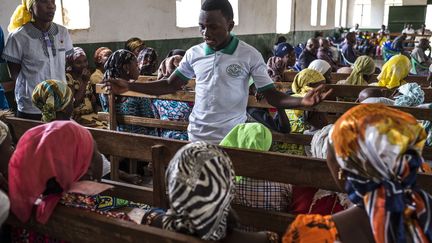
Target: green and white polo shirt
222, 87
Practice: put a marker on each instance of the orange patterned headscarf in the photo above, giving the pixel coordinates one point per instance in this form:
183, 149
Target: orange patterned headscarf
380, 149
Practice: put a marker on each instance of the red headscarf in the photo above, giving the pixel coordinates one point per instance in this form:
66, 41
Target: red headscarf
62, 150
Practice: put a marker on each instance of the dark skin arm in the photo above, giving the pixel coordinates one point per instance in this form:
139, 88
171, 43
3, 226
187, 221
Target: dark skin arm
284, 123
430, 79
175, 83
159, 87
14, 70
284, 101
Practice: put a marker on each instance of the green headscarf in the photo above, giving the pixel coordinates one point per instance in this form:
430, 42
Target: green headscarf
364, 65
249, 136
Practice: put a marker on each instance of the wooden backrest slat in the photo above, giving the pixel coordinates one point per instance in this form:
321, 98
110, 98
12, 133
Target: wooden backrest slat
77, 225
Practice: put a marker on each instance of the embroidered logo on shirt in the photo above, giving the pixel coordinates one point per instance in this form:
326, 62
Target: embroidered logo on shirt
234, 70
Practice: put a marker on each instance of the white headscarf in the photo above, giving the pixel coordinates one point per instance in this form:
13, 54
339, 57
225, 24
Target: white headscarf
4, 207
320, 66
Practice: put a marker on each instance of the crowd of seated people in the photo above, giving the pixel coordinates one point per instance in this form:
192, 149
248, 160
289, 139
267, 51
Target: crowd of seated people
34, 170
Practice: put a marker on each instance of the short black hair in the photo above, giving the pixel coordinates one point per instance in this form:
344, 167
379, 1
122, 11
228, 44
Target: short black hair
223, 5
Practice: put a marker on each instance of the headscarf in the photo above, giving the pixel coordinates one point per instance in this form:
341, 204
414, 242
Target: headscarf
21, 15
150, 67
114, 64
134, 43
411, 95
200, 180
174, 52
283, 49
320, 66
394, 71
303, 79
364, 65
168, 66
73, 56
51, 96
60, 150
380, 150
254, 136
99, 58
319, 142
4, 131
276, 68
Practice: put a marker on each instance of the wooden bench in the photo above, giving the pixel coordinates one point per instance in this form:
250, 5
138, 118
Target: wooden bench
421, 80
283, 168
325, 106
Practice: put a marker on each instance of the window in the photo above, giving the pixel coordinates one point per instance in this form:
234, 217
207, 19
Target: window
73, 14
314, 12
283, 18
429, 16
188, 11
387, 5
344, 13
338, 8
362, 12
323, 20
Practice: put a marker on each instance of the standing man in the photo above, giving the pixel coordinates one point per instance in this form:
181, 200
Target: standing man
35, 50
222, 66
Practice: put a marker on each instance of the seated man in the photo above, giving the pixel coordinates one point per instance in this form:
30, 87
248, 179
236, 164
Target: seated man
309, 54
348, 51
325, 53
419, 59
398, 42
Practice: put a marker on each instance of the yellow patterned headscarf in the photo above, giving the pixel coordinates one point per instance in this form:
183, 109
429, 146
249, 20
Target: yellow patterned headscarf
364, 65
394, 71
21, 16
303, 79
51, 96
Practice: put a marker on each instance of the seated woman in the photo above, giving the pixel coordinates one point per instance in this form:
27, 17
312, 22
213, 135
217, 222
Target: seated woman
370, 168
134, 45
197, 207
322, 67
6, 150
273, 196
78, 79
54, 99
170, 109
147, 61
123, 64
408, 95
394, 71
362, 71
41, 176
283, 59
100, 57
301, 121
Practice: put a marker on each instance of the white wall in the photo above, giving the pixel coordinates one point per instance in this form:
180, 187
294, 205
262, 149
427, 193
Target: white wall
303, 15
414, 2
113, 20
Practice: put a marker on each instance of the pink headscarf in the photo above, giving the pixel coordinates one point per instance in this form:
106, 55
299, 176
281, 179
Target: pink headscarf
62, 150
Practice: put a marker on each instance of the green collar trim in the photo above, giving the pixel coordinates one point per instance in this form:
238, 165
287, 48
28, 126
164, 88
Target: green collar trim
229, 49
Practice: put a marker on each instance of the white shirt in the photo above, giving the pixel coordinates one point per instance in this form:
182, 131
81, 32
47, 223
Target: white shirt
408, 32
222, 87
39, 61
382, 100
4, 207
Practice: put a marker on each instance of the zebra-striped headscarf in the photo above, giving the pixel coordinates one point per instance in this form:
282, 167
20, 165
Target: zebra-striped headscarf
200, 181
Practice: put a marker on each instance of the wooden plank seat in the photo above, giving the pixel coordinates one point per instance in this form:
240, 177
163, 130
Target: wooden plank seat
327, 106
297, 170
421, 80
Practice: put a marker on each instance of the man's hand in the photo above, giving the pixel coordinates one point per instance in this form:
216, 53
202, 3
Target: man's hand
315, 96
116, 86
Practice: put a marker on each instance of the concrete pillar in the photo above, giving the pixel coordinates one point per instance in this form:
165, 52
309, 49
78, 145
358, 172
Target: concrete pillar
377, 13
